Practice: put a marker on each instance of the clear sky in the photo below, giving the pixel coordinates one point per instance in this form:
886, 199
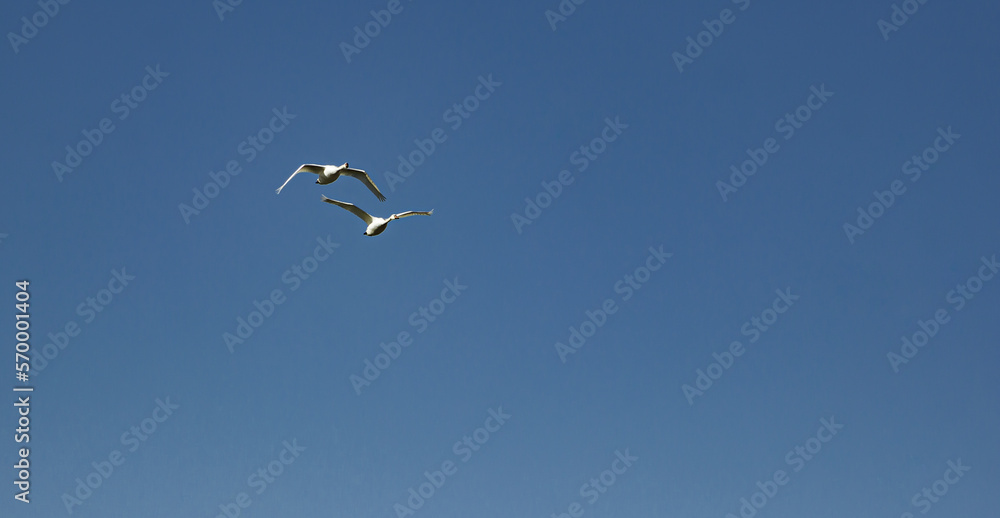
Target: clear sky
600, 318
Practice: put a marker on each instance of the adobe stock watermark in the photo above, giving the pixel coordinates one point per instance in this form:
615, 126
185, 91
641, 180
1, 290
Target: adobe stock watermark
787, 126
592, 490
625, 288
914, 168
566, 9
224, 7
133, 439
957, 298
89, 309
262, 478
292, 277
925, 499
754, 329
898, 17
123, 106
248, 149
22, 434
704, 39
796, 458
380, 20
48, 9
581, 158
456, 115
420, 320
464, 449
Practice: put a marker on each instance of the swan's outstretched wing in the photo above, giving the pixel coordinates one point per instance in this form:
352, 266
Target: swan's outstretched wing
351, 207
363, 176
413, 213
304, 168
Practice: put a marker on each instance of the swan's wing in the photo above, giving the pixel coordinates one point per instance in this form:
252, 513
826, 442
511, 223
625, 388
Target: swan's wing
363, 176
413, 213
304, 168
351, 207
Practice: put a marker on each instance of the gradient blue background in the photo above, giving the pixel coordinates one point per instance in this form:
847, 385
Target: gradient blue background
655, 185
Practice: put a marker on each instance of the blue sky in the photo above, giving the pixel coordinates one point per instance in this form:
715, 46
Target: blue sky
169, 416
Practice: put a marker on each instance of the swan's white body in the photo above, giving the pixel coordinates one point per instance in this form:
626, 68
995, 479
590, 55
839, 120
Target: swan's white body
375, 224
329, 173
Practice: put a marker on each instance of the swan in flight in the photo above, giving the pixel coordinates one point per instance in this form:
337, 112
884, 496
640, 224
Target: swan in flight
329, 173
375, 225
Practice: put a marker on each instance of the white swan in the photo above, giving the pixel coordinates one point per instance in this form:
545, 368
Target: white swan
329, 173
375, 225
